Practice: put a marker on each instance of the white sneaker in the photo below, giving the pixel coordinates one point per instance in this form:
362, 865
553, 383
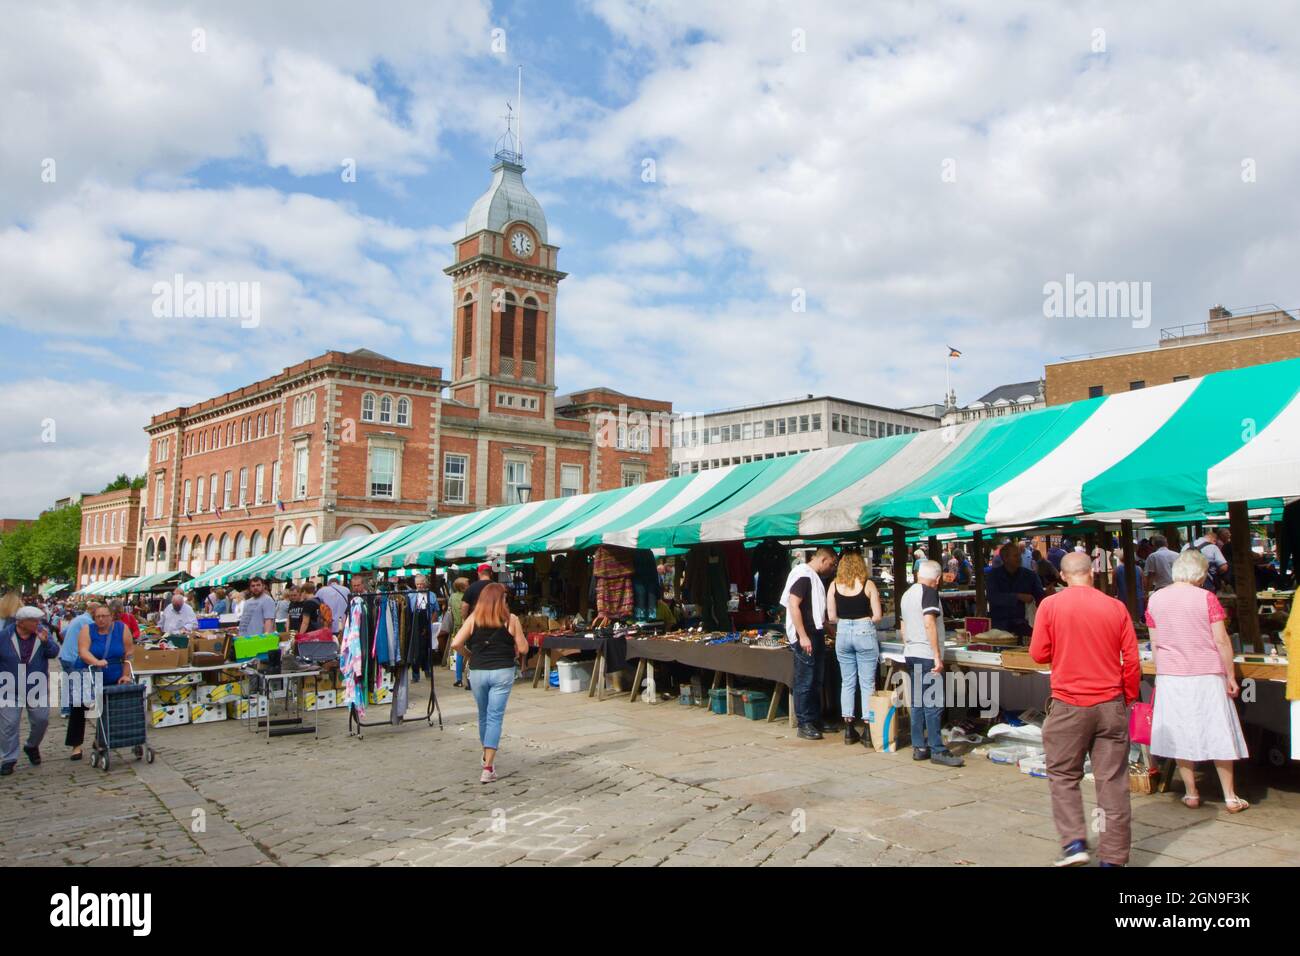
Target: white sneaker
489, 775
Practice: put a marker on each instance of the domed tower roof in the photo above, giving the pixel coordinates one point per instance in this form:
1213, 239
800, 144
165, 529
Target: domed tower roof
507, 200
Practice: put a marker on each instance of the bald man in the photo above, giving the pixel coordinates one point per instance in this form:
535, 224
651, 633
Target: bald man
1087, 637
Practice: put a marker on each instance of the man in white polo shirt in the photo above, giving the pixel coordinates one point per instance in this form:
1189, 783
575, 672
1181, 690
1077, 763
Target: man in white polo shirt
923, 634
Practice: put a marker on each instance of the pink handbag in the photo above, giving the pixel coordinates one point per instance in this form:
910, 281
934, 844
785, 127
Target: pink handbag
1139, 721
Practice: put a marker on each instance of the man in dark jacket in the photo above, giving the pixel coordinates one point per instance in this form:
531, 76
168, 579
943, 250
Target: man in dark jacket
1011, 588
26, 649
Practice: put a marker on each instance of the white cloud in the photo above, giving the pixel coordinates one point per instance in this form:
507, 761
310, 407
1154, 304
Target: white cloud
88, 421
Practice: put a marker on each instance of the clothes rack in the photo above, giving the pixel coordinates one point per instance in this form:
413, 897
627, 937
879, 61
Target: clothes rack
383, 632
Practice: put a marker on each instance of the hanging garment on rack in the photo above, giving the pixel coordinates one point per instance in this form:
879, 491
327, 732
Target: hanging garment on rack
613, 569
706, 580
771, 562
385, 643
350, 658
420, 617
740, 570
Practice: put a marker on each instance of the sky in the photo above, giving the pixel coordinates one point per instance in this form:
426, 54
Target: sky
753, 201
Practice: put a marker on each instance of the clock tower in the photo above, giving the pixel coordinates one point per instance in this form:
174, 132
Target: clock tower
504, 283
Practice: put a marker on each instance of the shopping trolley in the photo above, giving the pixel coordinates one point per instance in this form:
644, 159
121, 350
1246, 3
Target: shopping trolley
122, 723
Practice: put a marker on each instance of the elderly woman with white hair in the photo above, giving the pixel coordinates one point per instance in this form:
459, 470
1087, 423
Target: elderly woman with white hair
1194, 719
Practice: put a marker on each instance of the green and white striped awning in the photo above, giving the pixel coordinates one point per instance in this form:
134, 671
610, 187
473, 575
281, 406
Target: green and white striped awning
1170, 454
375, 545
314, 560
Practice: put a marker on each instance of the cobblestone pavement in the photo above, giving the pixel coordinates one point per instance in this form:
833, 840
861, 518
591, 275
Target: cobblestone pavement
595, 783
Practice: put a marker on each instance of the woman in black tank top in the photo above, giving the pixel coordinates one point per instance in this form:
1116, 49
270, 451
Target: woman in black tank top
493, 638
853, 606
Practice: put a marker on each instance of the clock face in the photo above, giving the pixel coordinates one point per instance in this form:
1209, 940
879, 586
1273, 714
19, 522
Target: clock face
522, 243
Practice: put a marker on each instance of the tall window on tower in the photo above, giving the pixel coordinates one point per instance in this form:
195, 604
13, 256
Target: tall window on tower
466, 334
529, 360
507, 339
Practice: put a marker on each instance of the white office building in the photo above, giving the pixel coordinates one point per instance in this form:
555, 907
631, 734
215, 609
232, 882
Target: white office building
734, 436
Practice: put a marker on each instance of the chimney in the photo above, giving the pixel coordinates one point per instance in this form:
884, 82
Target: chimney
1219, 312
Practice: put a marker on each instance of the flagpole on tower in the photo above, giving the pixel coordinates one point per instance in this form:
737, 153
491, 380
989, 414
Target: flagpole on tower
519, 115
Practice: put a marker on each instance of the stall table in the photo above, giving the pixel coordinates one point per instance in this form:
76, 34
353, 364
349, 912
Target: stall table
611, 653
725, 660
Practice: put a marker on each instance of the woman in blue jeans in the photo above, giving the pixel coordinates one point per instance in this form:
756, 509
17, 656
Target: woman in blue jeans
853, 606
493, 639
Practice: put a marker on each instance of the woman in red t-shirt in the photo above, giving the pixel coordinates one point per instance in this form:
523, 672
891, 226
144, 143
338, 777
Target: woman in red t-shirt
120, 613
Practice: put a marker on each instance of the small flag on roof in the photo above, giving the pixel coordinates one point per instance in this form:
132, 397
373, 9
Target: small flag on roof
953, 353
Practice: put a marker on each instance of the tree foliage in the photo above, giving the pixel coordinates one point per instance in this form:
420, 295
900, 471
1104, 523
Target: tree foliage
124, 481
43, 550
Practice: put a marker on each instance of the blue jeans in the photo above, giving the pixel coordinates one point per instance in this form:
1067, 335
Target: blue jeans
859, 656
460, 666
927, 704
491, 690
807, 687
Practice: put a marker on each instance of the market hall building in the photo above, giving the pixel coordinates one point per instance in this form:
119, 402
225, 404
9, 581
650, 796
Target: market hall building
349, 443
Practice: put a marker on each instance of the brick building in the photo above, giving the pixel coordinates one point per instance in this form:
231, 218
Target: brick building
351, 443
110, 525
1226, 341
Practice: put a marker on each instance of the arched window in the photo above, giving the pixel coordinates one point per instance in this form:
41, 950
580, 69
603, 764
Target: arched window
255, 543
466, 333
386, 410
368, 407
403, 411
212, 493
270, 540
288, 537
530, 338
230, 433
162, 549
275, 421
311, 411
210, 549
226, 550
241, 546
185, 549
148, 550
309, 533
507, 337
297, 412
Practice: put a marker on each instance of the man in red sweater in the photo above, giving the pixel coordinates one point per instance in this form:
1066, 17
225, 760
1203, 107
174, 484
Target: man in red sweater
1088, 639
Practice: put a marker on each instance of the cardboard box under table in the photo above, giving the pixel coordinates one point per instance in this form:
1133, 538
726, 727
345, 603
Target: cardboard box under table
726, 661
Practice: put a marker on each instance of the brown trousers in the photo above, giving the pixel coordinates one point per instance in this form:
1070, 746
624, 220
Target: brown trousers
1069, 734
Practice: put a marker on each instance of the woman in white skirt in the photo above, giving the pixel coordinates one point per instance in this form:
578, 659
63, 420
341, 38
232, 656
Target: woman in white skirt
1195, 718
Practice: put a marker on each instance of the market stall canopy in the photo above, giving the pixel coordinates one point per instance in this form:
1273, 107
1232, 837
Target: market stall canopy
1172, 453
1167, 453
152, 582
121, 587
312, 561
377, 544
97, 587
54, 587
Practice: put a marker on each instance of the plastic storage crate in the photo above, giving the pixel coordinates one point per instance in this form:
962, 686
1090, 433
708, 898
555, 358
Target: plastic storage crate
755, 703
718, 700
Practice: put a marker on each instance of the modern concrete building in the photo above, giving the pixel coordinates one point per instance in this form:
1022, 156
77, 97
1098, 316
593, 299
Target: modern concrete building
734, 436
